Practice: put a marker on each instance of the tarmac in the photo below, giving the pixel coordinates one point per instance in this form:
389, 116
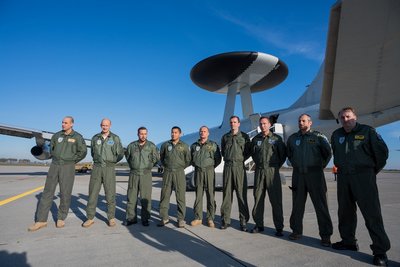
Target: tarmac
137, 245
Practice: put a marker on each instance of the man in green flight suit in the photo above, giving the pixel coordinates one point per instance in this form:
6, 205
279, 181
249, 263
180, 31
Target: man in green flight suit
141, 156
175, 157
309, 152
67, 147
106, 151
235, 148
205, 157
269, 154
359, 153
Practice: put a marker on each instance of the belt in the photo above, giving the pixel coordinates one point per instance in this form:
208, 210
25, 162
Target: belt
173, 169
354, 170
203, 169
308, 169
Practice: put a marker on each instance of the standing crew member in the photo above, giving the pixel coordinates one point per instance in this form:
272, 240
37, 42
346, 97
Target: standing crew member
141, 156
309, 152
67, 147
205, 157
175, 157
235, 148
359, 153
106, 150
269, 154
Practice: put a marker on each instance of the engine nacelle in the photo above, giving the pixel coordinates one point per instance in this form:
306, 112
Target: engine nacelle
42, 152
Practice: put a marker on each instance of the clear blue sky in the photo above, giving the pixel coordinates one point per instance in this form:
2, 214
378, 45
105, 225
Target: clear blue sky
130, 61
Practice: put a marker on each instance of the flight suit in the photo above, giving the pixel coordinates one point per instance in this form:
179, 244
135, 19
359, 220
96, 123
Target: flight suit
106, 153
309, 154
269, 154
174, 158
66, 150
235, 149
205, 157
141, 159
359, 156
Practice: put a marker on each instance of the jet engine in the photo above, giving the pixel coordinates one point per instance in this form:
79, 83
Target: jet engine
41, 152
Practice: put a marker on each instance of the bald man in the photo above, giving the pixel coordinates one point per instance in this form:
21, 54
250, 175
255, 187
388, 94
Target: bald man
67, 147
106, 151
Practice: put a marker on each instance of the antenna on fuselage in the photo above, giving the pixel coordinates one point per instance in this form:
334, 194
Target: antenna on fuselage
241, 73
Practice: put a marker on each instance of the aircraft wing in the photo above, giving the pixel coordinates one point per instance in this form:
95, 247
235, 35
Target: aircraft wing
41, 150
362, 59
24, 132
29, 133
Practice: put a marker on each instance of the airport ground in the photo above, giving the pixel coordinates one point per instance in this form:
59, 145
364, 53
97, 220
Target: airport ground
137, 245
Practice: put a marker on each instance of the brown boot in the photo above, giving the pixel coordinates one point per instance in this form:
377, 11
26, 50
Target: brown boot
181, 224
111, 223
88, 223
195, 222
60, 224
211, 224
36, 226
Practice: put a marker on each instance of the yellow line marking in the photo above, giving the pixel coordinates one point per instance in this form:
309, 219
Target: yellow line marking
8, 200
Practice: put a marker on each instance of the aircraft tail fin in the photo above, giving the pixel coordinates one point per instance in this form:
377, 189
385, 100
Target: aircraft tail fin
312, 95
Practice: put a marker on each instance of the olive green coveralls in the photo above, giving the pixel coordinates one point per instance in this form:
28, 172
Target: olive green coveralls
106, 153
235, 149
66, 150
359, 156
141, 159
309, 154
205, 157
269, 154
174, 158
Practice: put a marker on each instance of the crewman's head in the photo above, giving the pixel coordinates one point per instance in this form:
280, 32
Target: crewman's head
305, 123
175, 133
348, 118
67, 124
204, 132
105, 125
142, 134
234, 122
265, 124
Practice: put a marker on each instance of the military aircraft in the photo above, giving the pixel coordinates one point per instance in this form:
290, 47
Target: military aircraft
360, 69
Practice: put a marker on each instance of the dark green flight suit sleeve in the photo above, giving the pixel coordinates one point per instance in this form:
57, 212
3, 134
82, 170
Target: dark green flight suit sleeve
81, 149
247, 147
281, 151
119, 150
325, 148
380, 150
217, 156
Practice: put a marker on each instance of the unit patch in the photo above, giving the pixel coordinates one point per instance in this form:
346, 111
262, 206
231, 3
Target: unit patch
60, 139
341, 139
110, 142
272, 141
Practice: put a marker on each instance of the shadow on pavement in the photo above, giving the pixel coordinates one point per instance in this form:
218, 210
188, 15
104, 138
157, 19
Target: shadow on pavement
13, 259
171, 239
